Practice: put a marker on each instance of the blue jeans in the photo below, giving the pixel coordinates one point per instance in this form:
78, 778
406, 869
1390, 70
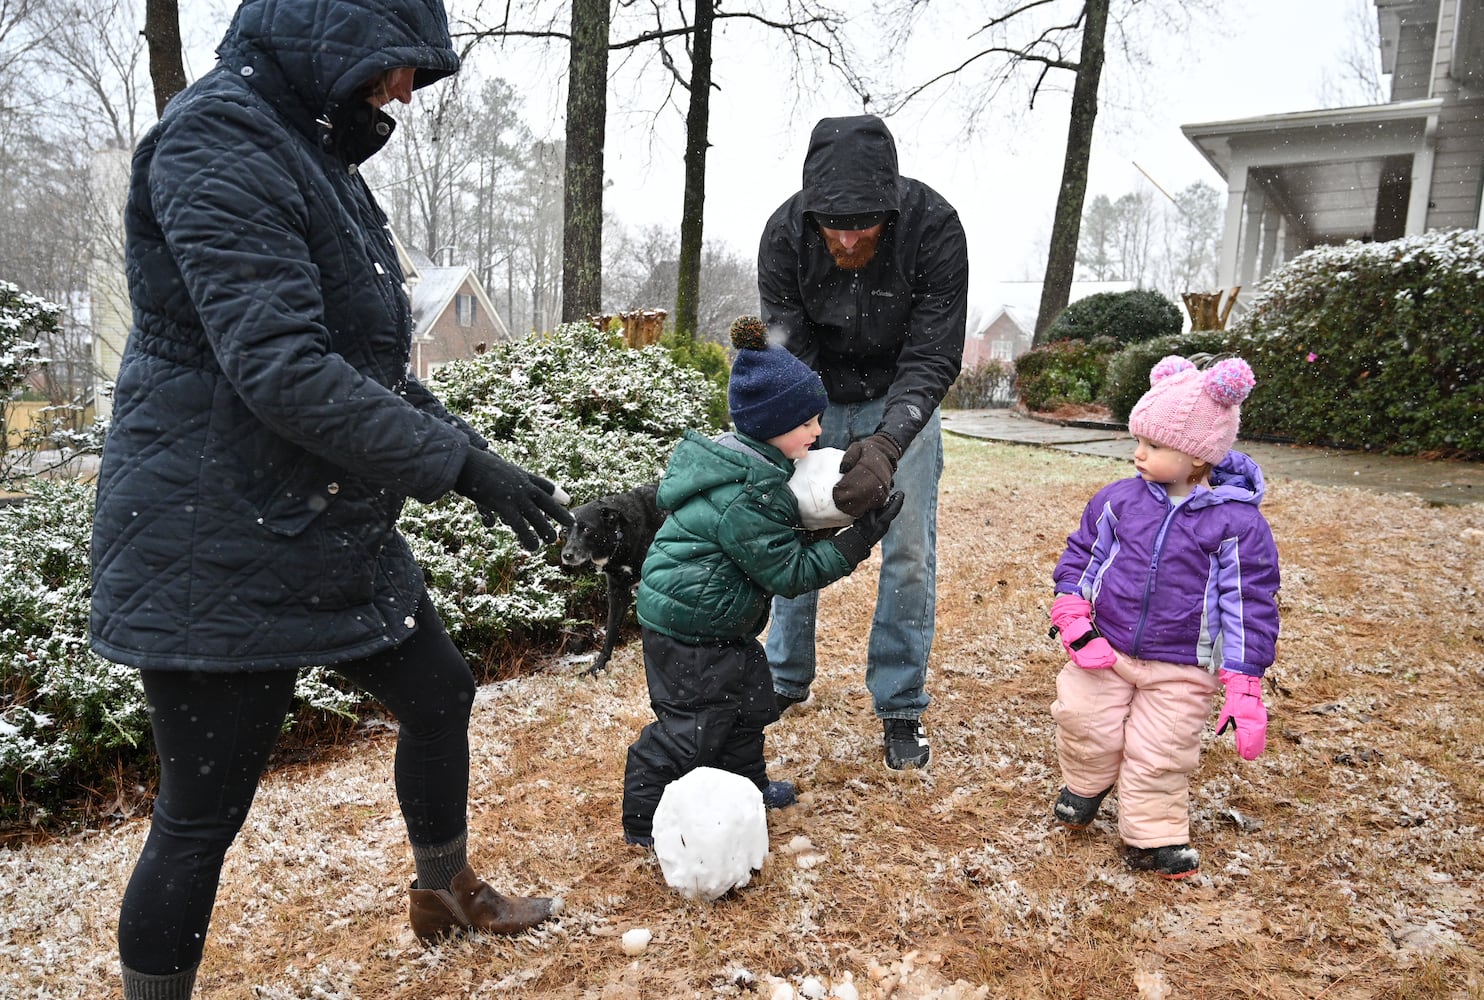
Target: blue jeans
906, 593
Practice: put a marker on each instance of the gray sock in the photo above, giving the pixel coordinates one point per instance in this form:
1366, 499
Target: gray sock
437, 865
170, 986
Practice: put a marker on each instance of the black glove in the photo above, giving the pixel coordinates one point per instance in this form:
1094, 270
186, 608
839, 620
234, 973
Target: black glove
855, 541
868, 466
525, 502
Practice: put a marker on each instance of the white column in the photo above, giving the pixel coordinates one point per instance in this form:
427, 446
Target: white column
1268, 257
1231, 231
1251, 235
1422, 161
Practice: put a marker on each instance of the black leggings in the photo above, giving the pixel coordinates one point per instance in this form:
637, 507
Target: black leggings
214, 732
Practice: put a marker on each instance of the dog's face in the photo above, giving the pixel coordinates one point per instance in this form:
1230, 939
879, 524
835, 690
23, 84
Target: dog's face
593, 536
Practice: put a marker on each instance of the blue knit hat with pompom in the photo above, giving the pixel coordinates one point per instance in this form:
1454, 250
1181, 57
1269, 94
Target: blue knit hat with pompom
770, 391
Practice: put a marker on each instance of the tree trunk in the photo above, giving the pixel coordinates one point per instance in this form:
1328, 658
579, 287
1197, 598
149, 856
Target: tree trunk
697, 125
582, 208
166, 65
1061, 263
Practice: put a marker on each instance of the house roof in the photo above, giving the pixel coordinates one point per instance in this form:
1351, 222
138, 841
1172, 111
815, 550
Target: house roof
435, 289
1325, 167
1024, 319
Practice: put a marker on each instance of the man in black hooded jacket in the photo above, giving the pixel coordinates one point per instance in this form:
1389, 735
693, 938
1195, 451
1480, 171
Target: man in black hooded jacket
865, 274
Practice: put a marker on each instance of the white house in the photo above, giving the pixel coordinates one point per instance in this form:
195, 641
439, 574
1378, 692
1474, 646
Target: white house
1377, 172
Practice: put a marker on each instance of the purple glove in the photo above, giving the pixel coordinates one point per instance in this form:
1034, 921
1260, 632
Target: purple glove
1244, 709
1071, 617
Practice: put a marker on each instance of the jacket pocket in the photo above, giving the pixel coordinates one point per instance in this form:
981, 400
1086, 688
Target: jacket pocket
338, 540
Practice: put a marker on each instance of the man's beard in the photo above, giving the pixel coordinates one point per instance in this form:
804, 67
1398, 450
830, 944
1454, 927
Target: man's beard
856, 257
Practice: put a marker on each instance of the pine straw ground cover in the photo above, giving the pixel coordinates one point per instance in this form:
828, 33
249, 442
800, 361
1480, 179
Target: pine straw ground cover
1344, 863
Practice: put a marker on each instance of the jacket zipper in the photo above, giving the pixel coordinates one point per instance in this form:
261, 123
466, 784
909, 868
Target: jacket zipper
1159, 544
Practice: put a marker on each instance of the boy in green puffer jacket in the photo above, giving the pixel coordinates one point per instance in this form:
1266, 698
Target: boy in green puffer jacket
732, 541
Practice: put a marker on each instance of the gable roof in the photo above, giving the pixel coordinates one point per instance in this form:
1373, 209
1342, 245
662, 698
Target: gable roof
435, 289
1023, 319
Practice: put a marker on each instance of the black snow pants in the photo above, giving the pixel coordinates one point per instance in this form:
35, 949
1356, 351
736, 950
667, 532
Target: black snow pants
711, 704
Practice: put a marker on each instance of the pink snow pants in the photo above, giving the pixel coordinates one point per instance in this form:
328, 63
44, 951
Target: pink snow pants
1137, 724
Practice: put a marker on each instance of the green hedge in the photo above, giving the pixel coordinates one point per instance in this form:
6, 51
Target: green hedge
1063, 372
1377, 346
1127, 317
1128, 370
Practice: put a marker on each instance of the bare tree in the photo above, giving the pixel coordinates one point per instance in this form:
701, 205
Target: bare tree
1169, 243
582, 211
813, 34
1358, 77
697, 141
1039, 38
645, 271
91, 65
1056, 289
166, 64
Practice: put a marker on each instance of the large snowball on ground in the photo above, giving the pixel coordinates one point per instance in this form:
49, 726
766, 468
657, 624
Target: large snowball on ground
813, 482
710, 832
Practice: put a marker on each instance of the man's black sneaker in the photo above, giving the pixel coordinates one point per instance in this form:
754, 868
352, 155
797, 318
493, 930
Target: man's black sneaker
1076, 811
779, 795
638, 840
906, 744
1170, 861
785, 702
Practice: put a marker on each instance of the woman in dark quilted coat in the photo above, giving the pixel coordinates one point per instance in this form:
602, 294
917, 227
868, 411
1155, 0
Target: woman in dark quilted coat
265, 435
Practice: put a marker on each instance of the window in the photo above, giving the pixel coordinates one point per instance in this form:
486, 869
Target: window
1002, 350
464, 307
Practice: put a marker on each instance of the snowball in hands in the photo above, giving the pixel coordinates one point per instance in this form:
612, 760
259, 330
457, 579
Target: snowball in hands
710, 832
813, 483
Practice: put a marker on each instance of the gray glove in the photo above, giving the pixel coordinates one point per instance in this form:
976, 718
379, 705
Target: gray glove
525, 502
856, 541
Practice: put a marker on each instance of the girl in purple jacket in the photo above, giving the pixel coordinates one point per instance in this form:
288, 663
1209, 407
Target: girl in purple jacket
1167, 591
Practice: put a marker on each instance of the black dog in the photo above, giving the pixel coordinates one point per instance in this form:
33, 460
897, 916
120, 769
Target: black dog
612, 534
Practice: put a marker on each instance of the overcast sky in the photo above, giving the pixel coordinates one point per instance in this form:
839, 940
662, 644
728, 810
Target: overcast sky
1257, 57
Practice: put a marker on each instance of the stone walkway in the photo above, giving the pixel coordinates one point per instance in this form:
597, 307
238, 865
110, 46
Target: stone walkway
1437, 482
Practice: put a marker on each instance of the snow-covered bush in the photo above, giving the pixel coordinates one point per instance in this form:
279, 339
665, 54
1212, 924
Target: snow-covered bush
68, 717
574, 406
1128, 317
1063, 372
578, 407
989, 383
26, 321
1372, 345
65, 714
23, 318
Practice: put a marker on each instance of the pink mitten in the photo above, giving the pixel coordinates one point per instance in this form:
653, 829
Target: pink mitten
1244, 709
1071, 618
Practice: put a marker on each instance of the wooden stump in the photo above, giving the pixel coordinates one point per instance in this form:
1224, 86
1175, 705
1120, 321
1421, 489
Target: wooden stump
641, 327
1207, 311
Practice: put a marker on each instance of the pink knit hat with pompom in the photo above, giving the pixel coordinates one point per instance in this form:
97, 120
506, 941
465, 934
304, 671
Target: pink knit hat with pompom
1193, 411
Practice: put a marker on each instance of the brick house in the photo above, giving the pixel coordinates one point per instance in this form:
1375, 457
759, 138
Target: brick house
1003, 329
452, 315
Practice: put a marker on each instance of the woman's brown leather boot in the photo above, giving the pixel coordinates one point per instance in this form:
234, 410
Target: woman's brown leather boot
469, 904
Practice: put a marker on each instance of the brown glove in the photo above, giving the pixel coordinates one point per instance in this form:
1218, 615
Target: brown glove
867, 469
